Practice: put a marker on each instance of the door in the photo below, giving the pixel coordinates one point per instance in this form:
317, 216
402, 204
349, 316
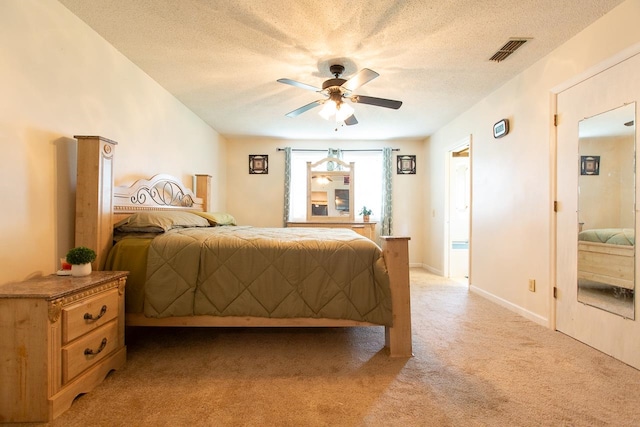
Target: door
588, 163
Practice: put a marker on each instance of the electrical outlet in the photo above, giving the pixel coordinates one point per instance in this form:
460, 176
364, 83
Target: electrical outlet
532, 285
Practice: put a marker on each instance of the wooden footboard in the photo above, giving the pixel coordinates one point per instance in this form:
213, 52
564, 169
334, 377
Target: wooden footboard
95, 216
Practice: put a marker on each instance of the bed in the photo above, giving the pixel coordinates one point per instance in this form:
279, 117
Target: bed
607, 256
260, 273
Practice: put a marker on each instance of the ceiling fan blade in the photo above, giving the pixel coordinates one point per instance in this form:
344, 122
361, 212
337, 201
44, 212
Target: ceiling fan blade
351, 120
379, 102
363, 76
300, 85
304, 108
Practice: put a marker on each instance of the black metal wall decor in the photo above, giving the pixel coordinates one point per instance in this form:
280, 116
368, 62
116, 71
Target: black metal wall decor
589, 165
406, 165
258, 164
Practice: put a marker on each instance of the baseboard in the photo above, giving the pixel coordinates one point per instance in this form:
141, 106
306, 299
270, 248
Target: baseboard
510, 306
432, 270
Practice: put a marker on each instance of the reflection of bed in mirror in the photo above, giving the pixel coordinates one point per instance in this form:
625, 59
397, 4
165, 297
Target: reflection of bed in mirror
606, 256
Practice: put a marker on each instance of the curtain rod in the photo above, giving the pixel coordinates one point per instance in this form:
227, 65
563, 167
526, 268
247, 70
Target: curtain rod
323, 150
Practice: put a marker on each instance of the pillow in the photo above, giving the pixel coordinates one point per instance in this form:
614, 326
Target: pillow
217, 218
160, 221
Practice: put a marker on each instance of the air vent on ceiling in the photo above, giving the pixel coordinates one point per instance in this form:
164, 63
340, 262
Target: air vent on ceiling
505, 51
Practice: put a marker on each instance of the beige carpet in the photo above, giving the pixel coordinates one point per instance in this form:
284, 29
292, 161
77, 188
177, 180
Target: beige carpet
475, 364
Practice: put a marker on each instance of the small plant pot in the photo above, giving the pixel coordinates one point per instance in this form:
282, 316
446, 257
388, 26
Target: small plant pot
365, 218
79, 270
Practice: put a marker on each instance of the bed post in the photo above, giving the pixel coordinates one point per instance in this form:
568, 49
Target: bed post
203, 190
94, 201
396, 256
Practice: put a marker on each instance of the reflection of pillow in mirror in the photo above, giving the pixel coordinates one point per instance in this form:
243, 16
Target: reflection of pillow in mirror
612, 236
217, 218
160, 221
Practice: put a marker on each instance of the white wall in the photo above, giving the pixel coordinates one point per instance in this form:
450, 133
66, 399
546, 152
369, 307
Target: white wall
513, 176
58, 78
258, 199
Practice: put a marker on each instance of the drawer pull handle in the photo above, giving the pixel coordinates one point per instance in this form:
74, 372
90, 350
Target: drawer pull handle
88, 351
103, 310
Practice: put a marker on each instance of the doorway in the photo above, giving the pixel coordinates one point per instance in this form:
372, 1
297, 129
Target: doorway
458, 212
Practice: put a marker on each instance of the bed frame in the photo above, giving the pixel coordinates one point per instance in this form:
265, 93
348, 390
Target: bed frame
606, 263
99, 205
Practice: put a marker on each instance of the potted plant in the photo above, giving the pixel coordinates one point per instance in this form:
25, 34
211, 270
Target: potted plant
365, 213
80, 259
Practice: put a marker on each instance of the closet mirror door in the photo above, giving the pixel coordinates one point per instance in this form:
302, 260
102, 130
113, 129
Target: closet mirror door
606, 211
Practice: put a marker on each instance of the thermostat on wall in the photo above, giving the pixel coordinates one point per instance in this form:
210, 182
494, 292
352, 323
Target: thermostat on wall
501, 128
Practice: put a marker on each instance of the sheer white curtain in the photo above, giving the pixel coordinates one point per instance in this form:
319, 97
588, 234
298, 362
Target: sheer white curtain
367, 181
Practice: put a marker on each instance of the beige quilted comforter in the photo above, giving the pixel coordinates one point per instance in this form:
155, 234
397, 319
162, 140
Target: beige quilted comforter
267, 272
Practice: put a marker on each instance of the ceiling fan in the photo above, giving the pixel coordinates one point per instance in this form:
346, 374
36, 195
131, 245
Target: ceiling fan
336, 91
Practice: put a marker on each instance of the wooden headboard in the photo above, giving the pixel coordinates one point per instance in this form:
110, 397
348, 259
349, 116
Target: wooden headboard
99, 204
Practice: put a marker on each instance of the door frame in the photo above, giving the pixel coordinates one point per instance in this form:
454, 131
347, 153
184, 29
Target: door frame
458, 146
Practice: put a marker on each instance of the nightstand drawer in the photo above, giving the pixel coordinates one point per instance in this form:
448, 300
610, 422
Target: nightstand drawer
87, 315
88, 350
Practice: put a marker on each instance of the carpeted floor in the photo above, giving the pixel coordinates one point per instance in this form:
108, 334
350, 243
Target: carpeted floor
475, 364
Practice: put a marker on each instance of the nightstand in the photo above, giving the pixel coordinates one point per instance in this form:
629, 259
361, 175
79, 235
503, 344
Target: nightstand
59, 337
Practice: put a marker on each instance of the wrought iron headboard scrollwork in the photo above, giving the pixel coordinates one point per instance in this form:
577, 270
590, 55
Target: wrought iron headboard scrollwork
162, 191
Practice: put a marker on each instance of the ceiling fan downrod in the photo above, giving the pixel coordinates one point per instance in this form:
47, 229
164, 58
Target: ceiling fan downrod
337, 71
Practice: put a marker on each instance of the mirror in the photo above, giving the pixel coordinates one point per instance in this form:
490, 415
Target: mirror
606, 211
330, 190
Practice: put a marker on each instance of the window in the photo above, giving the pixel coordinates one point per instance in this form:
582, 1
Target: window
367, 181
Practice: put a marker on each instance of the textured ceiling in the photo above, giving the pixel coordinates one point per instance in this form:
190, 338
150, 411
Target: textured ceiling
222, 58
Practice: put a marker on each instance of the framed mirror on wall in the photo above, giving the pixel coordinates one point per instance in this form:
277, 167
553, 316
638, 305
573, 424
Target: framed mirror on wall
330, 190
607, 211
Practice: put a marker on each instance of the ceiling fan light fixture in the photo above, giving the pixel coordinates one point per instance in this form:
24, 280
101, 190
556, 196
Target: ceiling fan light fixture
322, 180
339, 110
329, 109
343, 112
